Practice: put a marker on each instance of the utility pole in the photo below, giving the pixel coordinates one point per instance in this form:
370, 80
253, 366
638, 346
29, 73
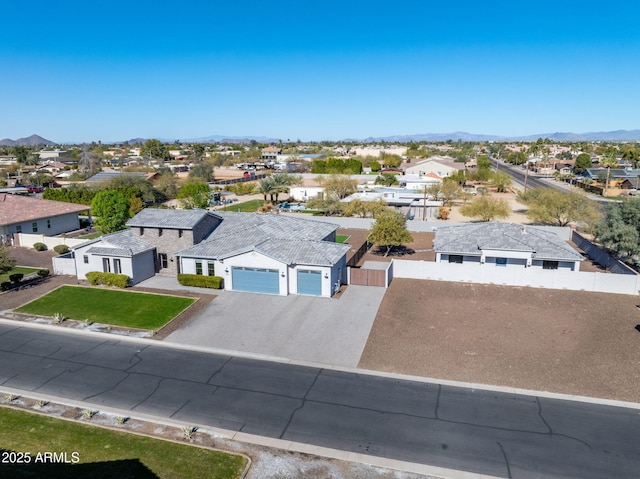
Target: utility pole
526, 176
424, 203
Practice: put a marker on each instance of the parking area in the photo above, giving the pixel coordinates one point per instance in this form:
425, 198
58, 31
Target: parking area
304, 328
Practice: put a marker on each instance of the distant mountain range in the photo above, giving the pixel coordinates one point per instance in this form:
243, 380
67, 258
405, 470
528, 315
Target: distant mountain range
33, 140
617, 135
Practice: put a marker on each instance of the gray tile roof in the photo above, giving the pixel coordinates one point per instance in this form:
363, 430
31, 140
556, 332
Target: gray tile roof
284, 238
471, 239
161, 218
109, 175
121, 243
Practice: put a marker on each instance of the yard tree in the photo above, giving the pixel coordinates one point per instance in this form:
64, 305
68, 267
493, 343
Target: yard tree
155, 149
619, 229
364, 209
501, 181
583, 161
110, 211
167, 184
6, 261
631, 155
194, 195
386, 179
389, 230
339, 185
330, 205
266, 187
21, 153
486, 208
449, 191
202, 171
282, 182
554, 207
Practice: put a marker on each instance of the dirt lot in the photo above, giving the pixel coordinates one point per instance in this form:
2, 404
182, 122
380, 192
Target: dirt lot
562, 341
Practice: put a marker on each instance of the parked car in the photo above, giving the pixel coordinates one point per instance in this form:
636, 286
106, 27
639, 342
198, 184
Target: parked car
34, 188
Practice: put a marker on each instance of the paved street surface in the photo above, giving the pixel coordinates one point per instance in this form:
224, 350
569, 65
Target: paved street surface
500, 434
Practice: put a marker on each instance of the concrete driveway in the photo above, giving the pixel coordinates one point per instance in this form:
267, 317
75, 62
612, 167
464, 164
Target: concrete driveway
322, 330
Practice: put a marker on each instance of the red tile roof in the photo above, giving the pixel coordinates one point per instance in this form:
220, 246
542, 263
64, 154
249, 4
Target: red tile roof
18, 209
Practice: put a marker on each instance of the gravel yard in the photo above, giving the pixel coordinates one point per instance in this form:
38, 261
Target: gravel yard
569, 342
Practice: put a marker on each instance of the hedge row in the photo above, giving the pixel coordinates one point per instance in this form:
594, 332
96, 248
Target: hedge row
16, 279
213, 282
96, 278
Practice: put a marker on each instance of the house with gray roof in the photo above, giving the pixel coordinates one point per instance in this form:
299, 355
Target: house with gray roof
270, 253
264, 253
508, 245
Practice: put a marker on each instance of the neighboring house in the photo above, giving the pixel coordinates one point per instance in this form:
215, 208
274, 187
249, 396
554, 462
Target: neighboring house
614, 174
24, 214
44, 154
263, 253
305, 193
438, 166
105, 176
419, 182
271, 152
564, 167
287, 158
504, 245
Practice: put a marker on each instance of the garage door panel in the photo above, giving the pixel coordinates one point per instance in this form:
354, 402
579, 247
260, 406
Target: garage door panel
256, 280
310, 282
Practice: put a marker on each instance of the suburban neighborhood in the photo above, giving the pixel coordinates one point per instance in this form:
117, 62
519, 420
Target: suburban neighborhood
277, 240
455, 269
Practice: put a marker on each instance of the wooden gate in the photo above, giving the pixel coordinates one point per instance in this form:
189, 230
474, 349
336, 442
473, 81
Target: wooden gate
368, 277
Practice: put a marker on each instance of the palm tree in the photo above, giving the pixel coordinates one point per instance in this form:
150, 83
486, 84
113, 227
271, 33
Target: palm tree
609, 161
266, 187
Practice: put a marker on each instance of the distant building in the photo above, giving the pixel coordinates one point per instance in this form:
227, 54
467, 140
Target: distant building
438, 165
271, 152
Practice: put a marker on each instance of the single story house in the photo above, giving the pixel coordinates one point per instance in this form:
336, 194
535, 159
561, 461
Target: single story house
305, 193
263, 253
440, 166
495, 244
25, 214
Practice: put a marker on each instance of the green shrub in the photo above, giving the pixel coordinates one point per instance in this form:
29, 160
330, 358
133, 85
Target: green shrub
61, 248
213, 282
96, 278
16, 278
43, 273
40, 246
5, 286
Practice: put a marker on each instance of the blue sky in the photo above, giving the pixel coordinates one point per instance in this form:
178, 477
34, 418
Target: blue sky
115, 70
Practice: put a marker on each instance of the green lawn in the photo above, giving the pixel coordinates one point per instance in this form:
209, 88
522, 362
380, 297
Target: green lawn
18, 269
91, 236
250, 206
341, 238
104, 453
109, 306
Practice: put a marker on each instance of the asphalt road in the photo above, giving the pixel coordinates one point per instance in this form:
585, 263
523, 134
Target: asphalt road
485, 432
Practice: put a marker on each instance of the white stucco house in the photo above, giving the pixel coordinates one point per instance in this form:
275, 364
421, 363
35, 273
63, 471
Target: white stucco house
262, 253
508, 245
305, 193
439, 166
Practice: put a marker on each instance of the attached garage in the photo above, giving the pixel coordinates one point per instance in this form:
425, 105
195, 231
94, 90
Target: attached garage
310, 282
255, 280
